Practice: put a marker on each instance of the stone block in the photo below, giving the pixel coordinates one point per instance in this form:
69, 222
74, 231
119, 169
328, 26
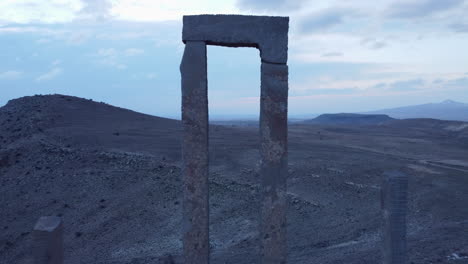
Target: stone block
269, 34
394, 205
48, 240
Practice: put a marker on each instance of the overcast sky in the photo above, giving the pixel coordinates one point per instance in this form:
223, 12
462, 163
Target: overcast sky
344, 56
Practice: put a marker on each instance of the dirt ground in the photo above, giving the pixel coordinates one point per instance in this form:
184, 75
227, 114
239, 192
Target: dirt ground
113, 175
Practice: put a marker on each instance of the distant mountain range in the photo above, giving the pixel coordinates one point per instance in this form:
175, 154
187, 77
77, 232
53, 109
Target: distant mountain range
446, 110
349, 119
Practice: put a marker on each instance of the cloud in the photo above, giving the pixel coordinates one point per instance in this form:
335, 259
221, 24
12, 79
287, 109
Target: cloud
144, 76
56, 62
109, 52
50, 75
378, 45
110, 57
78, 38
333, 54
43, 40
74, 34
151, 76
379, 85
27, 29
373, 43
10, 75
459, 27
406, 85
269, 5
29, 11
458, 82
328, 83
165, 10
98, 10
67, 11
133, 52
323, 20
332, 91
420, 8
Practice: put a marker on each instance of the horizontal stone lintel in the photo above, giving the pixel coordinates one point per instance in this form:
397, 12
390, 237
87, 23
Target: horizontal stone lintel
267, 33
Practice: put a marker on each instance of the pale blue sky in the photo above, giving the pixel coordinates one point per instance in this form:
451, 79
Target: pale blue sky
344, 56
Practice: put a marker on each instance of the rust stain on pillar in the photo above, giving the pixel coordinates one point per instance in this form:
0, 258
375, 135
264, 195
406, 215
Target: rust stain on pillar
195, 153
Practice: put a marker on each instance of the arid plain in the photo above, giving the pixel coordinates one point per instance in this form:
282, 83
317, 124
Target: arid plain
114, 177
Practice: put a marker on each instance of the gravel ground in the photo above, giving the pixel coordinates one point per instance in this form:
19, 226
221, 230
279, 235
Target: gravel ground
114, 177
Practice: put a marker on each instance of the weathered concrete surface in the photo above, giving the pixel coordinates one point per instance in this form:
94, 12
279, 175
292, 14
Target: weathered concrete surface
273, 136
394, 204
195, 153
48, 240
269, 34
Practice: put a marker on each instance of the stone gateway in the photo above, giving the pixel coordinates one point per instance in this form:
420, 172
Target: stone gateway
270, 36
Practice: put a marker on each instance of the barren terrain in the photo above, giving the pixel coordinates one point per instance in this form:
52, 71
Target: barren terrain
114, 177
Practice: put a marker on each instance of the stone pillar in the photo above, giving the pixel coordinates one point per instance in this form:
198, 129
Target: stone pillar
274, 161
48, 241
195, 153
394, 204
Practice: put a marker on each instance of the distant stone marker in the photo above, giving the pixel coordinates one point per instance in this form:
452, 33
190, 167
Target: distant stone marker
48, 241
394, 205
270, 35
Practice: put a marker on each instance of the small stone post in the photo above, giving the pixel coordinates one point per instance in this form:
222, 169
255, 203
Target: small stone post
48, 241
394, 205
